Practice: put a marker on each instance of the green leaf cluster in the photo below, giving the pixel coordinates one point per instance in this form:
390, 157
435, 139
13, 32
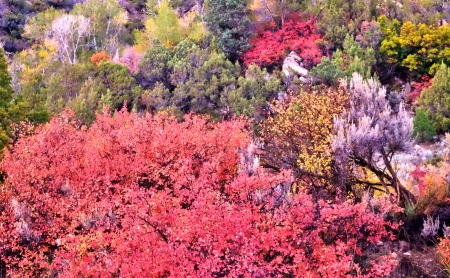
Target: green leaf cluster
167, 28
423, 128
352, 58
435, 100
192, 79
228, 21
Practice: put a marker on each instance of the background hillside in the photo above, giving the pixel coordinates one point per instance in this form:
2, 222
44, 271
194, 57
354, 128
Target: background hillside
225, 138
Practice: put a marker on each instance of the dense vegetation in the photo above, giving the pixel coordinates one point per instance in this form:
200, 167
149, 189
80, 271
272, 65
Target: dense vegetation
224, 138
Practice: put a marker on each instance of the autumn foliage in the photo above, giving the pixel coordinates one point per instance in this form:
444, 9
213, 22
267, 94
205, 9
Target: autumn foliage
444, 253
297, 135
152, 197
269, 47
131, 58
418, 87
99, 57
432, 187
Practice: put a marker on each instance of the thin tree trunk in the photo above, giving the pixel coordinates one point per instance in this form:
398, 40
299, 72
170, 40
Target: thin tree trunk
403, 194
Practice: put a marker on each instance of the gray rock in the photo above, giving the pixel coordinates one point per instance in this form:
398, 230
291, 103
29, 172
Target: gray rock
304, 80
292, 65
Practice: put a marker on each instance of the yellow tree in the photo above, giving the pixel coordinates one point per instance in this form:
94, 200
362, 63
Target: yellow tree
297, 135
167, 28
28, 64
418, 47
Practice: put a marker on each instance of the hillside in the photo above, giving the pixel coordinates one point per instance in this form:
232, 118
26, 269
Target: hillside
224, 138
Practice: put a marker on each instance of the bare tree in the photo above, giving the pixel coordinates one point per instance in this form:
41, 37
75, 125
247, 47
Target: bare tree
69, 31
107, 22
369, 134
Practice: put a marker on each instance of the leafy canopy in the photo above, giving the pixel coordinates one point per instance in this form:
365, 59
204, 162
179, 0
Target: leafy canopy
149, 196
435, 100
269, 48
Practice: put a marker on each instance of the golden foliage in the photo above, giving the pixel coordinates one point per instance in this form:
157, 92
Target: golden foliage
298, 134
36, 60
167, 28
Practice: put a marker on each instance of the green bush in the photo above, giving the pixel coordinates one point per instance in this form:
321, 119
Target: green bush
423, 128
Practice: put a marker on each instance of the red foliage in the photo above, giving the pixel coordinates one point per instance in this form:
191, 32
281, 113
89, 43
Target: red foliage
99, 57
151, 197
299, 36
419, 87
444, 253
419, 176
131, 58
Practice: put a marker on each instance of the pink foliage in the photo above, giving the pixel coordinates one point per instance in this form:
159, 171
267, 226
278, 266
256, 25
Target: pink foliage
270, 47
131, 58
152, 197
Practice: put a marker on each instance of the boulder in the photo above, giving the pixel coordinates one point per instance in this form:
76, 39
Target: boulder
293, 65
304, 80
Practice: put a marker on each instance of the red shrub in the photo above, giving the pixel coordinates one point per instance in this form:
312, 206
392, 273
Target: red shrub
444, 253
419, 176
151, 197
419, 87
299, 36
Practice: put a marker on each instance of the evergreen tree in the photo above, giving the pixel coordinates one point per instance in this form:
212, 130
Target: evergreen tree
435, 100
338, 18
117, 79
352, 58
204, 81
64, 84
327, 71
154, 66
423, 128
254, 90
228, 21
6, 93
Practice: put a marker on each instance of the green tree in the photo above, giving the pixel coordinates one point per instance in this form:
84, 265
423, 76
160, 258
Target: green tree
117, 79
30, 104
64, 85
357, 59
254, 90
6, 95
86, 102
328, 71
423, 128
435, 100
13, 110
154, 66
206, 88
159, 98
337, 18
352, 58
228, 21
165, 27
38, 25
192, 79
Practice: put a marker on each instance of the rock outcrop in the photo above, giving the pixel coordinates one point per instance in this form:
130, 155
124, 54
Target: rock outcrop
293, 65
